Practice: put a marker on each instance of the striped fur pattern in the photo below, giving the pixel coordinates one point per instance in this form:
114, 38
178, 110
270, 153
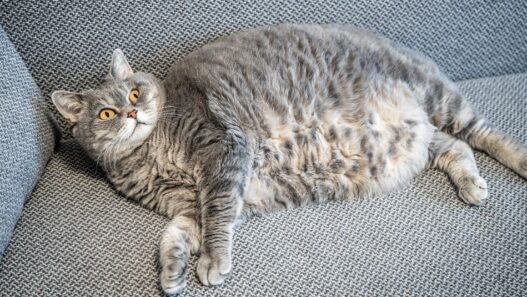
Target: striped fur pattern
275, 118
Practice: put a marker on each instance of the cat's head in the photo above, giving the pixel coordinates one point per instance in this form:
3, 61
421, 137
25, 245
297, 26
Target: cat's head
117, 116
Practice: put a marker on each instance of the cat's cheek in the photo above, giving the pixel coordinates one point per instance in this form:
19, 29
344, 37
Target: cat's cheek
142, 117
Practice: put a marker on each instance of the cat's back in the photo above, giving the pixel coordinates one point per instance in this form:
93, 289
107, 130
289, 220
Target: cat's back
293, 65
284, 69
256, 54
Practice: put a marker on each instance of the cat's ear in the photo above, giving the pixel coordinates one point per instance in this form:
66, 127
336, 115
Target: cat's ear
119, 67
69, 104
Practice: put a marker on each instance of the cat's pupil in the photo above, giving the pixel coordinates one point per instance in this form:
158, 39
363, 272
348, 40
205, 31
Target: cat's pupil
107, 114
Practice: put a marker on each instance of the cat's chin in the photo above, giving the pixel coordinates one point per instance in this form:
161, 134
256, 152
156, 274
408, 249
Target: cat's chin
140, 133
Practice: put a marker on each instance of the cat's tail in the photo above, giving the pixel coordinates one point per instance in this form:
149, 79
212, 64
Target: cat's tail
463, 122
180, 239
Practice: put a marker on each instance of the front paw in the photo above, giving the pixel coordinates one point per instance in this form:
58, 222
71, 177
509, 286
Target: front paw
212, 270
173, 273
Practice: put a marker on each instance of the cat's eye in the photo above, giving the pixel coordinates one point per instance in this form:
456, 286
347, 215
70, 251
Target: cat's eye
107, 114
133, 96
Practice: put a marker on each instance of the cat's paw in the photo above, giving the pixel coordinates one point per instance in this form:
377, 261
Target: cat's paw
212, 270
173, 274
473, 190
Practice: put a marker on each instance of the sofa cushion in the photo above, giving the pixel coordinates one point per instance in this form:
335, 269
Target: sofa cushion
66, 42
77, 237
26, 137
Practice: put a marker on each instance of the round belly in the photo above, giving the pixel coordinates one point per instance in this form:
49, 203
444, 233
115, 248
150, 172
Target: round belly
325, 160
357, 150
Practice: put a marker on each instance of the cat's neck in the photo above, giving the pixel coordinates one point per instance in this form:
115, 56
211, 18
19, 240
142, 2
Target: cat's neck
122, 159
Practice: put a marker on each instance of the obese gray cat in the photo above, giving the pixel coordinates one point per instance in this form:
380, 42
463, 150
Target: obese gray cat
274, 118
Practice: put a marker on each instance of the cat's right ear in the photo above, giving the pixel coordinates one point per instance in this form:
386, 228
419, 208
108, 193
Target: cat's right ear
119, 67
69, 104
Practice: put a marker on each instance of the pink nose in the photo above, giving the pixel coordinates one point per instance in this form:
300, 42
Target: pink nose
133, 114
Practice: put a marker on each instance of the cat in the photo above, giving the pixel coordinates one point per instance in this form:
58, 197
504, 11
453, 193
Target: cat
274, 118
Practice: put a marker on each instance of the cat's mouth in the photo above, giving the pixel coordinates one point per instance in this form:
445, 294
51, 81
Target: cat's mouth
137, 128
139, 131
137, 125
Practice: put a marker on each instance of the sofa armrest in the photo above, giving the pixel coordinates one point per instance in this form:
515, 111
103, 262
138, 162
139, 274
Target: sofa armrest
27, 137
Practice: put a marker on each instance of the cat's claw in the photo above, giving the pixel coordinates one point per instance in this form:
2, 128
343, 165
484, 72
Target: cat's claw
473, 190
212, 271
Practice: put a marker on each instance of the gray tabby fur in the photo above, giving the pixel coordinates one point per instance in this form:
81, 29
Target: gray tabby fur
274, 118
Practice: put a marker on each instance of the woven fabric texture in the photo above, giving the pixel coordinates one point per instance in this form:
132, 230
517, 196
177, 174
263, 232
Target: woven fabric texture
26, 137
66, 43
77, 237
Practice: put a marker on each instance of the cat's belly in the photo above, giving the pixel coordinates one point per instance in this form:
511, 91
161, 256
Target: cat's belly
340, 154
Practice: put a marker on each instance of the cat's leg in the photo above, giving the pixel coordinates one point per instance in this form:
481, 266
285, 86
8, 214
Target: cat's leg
180, 239
455, 157
223, 180
451, 113
479, 134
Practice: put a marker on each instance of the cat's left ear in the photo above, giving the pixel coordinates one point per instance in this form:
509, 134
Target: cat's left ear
69, 104
119, 67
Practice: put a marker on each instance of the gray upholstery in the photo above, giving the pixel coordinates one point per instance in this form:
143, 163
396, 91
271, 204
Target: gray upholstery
76, 237
66, 43
26, 137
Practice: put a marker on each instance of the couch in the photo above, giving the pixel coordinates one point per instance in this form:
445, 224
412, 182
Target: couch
65, 232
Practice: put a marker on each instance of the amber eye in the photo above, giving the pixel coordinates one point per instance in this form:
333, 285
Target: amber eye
133, 96
107, 114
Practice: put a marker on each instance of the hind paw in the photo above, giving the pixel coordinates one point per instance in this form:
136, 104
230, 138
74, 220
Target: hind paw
473, 190
523, 168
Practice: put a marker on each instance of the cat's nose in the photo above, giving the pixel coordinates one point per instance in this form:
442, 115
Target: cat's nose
133, 114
